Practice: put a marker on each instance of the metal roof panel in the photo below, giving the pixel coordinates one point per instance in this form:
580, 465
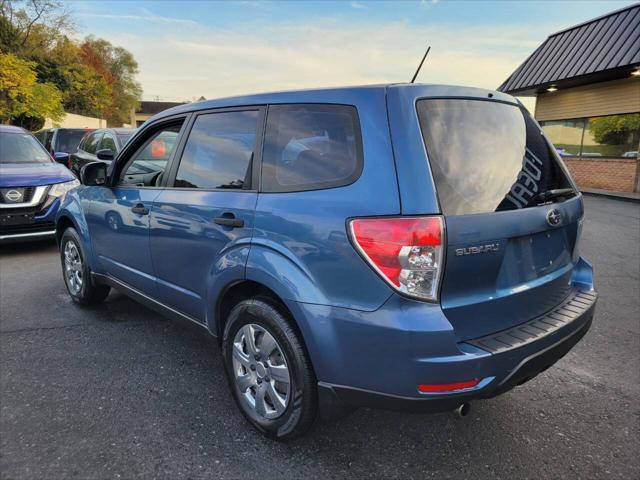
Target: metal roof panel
609, 42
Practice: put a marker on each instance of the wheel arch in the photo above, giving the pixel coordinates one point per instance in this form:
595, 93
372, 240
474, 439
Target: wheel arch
238, 291
71, 215
246, 289
63, 222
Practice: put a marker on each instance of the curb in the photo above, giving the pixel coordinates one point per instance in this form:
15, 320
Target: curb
625, 197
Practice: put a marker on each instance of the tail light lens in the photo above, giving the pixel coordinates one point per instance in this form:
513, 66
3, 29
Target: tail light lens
405, 251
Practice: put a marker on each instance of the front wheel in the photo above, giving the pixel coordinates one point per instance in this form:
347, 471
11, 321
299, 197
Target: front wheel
77, 276
268, 369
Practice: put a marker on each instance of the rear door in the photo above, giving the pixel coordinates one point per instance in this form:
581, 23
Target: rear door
510, 252
201, 224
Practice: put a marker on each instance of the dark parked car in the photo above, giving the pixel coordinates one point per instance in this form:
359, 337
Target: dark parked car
410, 247
102, 144
32, 186
61, 142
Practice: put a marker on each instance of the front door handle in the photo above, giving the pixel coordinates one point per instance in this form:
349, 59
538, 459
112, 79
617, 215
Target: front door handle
229, 220
140, 209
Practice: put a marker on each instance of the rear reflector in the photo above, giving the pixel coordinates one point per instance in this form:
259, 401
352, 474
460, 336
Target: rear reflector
447, 387
405, 251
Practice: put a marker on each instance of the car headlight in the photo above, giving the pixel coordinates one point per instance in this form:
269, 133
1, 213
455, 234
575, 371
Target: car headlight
60, 189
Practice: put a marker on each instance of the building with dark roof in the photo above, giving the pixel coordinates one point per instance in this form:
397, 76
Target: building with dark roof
148, 109
586, 80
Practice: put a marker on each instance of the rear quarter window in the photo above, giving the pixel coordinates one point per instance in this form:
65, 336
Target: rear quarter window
311, 147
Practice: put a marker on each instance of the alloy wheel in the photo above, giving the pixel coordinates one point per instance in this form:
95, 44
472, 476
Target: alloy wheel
73, 267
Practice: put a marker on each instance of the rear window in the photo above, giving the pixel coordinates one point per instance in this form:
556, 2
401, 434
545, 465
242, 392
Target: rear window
124, 138
309, 147
68, 140
486, 156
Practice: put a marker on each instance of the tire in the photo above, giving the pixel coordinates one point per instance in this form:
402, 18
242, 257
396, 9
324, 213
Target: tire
261, 377
76, 272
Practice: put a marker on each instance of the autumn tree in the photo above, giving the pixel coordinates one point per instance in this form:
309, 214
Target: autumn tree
118, 68
93, 77
85, 92
22, 98
29, 28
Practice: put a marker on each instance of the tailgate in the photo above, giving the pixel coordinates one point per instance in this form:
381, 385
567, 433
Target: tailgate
511, 212
505, 268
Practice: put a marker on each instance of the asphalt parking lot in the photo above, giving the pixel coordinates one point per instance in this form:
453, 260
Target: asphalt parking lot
117, 392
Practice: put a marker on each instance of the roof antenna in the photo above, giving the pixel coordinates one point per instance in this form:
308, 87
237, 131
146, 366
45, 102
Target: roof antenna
420, 66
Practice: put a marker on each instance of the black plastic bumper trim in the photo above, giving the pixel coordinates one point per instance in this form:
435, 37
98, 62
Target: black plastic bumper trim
576, 304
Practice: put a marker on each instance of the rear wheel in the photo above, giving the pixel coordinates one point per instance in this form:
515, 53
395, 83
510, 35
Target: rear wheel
269, 370
77, 276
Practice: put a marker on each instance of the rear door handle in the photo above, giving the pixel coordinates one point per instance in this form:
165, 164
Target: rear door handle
229, 220
140, 209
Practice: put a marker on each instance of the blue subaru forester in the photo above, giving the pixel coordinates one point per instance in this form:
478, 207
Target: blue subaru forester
410, 247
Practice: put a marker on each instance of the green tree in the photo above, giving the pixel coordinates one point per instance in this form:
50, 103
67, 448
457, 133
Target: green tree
96, 77
30, 27
85, 91
616, 129
21, 96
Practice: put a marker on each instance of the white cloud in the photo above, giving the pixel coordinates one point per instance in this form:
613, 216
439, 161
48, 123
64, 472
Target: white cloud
145, 17
179, 63
359, 6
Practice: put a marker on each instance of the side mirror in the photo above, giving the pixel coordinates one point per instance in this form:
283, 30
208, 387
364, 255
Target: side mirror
61, 157
105, 154
93, 174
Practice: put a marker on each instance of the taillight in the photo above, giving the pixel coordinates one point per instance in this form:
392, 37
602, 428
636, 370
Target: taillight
405, 251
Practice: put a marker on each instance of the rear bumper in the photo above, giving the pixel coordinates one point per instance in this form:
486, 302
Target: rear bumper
336, 397
378, 359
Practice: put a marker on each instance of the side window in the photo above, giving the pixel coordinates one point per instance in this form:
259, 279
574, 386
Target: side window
154, 155
108, 142
309, 147
91, 143
47, 139
219, 151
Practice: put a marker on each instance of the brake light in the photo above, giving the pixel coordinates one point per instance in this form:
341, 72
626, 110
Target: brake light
405, 251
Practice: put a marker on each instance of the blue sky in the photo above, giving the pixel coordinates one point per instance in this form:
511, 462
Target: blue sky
190, 48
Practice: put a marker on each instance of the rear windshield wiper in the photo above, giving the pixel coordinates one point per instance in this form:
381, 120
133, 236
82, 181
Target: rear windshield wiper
543, 197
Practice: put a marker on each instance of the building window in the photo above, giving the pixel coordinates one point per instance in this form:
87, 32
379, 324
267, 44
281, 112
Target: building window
611, 136
566, 135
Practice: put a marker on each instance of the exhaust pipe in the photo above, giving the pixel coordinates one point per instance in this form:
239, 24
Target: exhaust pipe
463, 410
